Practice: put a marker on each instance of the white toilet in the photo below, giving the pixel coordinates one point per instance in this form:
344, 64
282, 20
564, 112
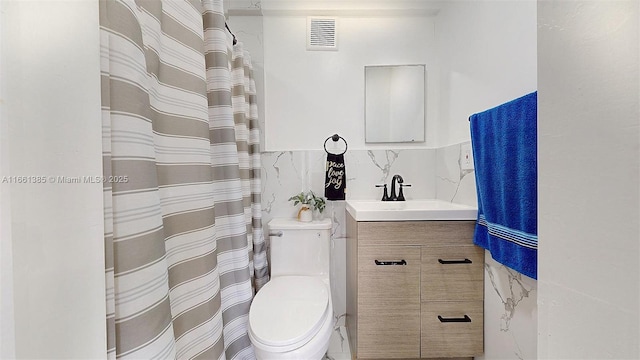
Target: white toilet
291, 317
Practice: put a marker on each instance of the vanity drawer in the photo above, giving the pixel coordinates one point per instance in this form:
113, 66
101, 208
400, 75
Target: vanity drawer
452, 273
452, 329
389, 272
428, 233
388, 301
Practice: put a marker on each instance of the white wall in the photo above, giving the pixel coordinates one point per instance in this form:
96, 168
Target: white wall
310, 95
588, 159
487, 55
7, 325
51, 127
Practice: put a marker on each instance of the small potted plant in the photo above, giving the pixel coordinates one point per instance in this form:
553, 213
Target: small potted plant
309, 203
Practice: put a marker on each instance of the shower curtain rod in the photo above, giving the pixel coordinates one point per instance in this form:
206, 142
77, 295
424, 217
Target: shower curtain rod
230, 32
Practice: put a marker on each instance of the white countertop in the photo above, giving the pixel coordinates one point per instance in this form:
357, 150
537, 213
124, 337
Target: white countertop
410, 210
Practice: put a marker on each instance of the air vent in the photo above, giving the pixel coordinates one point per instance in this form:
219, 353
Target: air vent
321, 33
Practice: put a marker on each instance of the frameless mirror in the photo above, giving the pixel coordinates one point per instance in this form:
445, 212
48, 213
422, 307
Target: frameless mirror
394, 103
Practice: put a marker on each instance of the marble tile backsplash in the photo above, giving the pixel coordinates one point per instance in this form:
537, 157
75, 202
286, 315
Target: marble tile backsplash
286, 173
452, 182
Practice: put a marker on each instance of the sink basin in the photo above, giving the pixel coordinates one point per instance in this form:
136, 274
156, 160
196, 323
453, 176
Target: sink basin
369, 210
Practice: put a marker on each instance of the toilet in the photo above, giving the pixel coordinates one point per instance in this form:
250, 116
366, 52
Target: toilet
291, 317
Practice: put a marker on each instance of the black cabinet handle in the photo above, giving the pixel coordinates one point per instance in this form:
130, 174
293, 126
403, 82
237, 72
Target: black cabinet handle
462, 319
465, 261
401, 262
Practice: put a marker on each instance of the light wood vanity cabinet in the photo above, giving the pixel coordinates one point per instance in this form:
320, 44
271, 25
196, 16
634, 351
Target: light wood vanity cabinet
414, 290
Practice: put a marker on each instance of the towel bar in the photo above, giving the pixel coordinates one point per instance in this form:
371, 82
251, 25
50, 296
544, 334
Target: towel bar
335, 138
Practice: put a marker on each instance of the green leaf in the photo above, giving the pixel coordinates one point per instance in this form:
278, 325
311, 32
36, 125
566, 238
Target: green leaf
309, 198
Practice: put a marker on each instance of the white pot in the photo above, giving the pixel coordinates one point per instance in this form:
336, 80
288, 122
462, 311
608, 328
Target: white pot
305, 214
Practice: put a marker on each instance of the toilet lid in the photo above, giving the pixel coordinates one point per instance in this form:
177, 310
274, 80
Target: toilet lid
288, 309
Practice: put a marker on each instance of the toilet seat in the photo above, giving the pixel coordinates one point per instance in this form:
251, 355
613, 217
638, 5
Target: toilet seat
288, 312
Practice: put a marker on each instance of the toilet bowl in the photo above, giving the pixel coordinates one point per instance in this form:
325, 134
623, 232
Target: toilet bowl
291, 317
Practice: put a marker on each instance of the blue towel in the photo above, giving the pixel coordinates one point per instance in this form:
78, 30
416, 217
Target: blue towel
505, 158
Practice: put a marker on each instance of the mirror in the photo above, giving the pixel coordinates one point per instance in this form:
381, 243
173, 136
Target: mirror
394, 103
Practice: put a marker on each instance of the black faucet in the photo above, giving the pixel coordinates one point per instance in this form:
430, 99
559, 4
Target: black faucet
400, 196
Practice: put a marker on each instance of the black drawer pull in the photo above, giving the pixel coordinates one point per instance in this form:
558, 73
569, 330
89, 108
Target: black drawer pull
465, 261
401, 262
462, 319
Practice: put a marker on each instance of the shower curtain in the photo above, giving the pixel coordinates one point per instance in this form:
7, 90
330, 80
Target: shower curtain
184, 246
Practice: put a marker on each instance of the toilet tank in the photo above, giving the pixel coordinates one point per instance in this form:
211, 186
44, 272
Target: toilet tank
300, 248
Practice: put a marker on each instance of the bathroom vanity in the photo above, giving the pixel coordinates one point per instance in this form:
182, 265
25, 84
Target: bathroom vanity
414, 287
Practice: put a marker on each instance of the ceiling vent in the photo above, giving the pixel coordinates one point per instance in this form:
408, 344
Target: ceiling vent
322, 33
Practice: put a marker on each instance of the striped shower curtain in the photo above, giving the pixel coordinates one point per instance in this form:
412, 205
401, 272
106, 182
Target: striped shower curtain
184, 246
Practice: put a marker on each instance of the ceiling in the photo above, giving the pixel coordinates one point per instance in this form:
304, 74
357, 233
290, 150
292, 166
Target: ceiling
332, 7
